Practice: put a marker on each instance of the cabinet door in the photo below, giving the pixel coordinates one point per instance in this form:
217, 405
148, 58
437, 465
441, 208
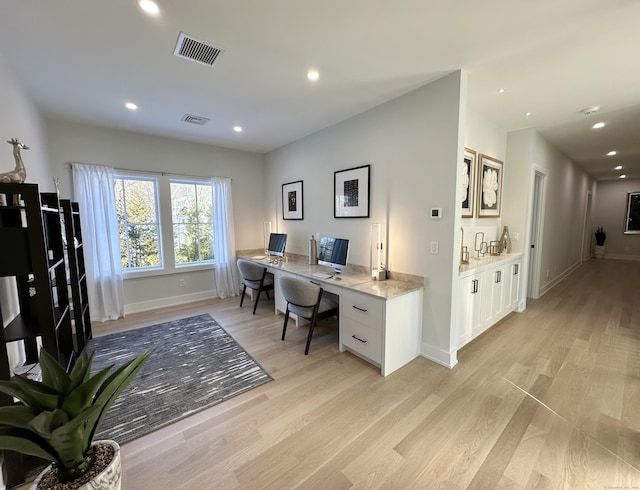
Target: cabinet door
467, 309
514, 287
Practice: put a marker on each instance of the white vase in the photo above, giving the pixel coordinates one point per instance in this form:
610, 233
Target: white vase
599, 251
109, 479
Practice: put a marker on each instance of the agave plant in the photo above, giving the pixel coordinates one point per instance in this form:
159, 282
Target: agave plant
601, 236
59, 416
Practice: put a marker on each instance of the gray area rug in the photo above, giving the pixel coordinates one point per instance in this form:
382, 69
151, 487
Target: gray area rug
196, 364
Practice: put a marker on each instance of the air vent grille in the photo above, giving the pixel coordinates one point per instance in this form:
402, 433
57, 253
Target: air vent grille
194, 50
199, 120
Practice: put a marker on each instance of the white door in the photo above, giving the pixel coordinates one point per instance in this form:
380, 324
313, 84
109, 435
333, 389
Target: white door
537, 215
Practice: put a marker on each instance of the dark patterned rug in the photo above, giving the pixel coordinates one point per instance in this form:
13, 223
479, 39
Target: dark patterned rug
195, 365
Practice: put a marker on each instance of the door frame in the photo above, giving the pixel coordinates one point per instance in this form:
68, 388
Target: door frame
535, 229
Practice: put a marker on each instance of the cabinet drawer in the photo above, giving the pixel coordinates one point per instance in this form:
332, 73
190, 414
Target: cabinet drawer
363, 340
362, 308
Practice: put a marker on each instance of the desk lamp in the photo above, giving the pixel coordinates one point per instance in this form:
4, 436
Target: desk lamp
378, 273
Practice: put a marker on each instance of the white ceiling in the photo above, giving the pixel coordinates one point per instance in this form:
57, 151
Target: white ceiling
82, 60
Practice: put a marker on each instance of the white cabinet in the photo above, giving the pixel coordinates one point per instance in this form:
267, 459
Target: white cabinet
383, 331
486, 295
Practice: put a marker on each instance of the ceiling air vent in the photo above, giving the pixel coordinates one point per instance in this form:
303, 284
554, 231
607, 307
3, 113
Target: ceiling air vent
194, 50
199, 120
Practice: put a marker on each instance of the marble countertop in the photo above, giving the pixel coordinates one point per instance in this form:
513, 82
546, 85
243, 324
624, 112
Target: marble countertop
352, 280
476, 265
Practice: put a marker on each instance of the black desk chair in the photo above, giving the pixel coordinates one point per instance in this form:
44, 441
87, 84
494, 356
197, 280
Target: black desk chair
254, 277
305, 299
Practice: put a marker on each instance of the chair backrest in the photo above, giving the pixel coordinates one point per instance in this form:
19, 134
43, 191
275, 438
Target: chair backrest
300, 292
250, 271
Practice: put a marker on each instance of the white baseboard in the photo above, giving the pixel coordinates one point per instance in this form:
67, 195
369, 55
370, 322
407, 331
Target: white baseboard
171, 301
557, 280
437, 355
621, 257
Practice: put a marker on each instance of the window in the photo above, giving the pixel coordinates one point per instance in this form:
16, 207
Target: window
192, 215
138, 224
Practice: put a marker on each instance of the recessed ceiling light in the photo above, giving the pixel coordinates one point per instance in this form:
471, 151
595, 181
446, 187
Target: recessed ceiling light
590, 110
237, 129
598, 125
501, 91
619, 167
313, 75
623, 176
131, 106
149, 6
612, 152
528, 114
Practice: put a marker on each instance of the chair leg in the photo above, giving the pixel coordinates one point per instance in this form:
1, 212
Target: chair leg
286, 320
313, 324
244, 290
255, 304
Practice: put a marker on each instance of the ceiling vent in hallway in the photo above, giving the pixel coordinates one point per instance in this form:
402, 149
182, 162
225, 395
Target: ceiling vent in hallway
199, 120
194, 50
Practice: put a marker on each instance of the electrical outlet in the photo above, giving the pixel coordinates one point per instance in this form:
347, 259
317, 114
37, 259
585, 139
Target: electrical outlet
516, 236
181, 283
434, 248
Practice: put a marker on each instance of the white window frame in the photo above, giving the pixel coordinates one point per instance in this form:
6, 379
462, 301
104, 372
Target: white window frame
161, 267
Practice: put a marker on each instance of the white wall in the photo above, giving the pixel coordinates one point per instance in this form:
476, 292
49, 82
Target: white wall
485, 137
20, 119
413, 144
564, 209
70, 142
610, 207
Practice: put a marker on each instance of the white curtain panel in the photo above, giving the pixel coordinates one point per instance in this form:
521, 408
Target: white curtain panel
93, 190
224, 242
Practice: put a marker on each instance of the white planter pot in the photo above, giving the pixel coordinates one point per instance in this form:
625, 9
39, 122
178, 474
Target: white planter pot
109, 479
599, 251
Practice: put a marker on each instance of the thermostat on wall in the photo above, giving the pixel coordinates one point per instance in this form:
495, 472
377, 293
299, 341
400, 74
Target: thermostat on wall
436, 213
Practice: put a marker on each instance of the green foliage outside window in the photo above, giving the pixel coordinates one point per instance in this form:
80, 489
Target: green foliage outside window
192, 215
136, 209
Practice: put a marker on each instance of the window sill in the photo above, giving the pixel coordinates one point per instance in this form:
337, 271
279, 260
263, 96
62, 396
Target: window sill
182, 269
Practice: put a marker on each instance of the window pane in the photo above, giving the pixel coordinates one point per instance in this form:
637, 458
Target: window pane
192, 222
136, 207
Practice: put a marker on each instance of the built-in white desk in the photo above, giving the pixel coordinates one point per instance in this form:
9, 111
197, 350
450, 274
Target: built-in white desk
380, 321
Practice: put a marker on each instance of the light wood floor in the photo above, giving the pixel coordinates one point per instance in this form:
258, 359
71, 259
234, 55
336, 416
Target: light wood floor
548, 398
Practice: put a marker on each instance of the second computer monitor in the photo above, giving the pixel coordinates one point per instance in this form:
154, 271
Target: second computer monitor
334, 252
277, 242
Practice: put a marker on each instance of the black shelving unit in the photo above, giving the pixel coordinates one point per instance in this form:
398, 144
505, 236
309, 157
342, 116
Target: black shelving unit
81, 318
33, 252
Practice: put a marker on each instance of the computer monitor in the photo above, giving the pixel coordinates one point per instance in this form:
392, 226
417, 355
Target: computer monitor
277, 242
334, 252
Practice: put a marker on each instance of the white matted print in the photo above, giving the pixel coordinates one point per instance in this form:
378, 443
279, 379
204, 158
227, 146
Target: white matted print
468, 182
489, 187
351, 192
292, 200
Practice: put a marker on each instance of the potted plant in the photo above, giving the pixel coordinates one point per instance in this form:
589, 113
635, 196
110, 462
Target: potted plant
58, 417
599, 249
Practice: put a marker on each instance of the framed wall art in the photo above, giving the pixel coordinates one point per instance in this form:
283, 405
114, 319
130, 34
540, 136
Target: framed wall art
468, 182
632, 215
292, 200
351, 192
489, 187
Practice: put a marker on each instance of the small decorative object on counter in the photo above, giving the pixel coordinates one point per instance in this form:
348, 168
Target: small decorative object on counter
480, 246
313, 251
495, 247
505, 240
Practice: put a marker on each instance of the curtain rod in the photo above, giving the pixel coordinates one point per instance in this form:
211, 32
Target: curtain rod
163, 174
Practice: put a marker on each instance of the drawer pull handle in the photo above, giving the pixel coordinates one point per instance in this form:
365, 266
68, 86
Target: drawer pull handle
358, 308
316, 283
363, 341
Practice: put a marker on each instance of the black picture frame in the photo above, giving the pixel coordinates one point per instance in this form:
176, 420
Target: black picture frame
351, 192
292, 201
632, 214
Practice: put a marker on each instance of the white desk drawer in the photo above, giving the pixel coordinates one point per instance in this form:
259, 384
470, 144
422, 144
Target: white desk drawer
363, 340
362, 308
